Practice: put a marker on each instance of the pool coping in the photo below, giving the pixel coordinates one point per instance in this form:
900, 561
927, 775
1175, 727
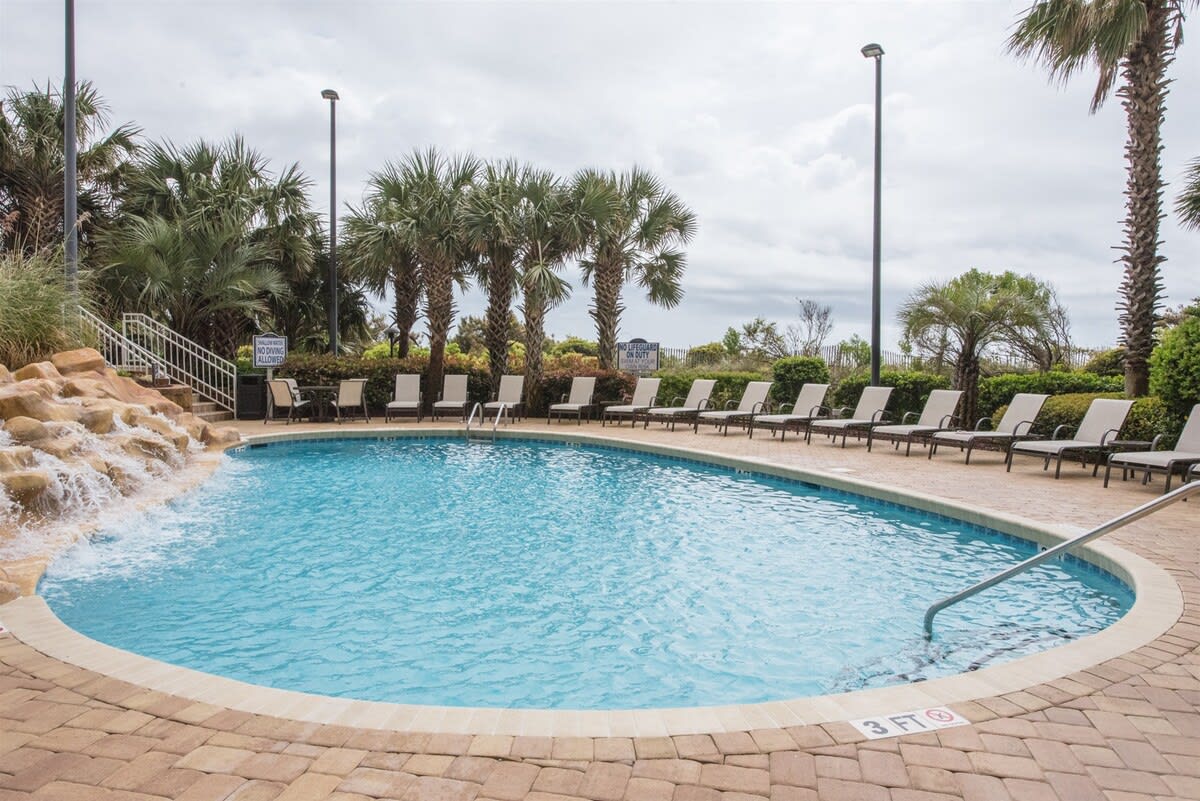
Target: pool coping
1157, 606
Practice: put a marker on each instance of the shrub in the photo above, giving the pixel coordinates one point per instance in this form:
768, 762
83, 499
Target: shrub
326, 370
712, 353
611, 385
910, 390
730, 384
1175, 367
32, 297
573, 344
1148, 417
793, 372
999, 389
1109, 362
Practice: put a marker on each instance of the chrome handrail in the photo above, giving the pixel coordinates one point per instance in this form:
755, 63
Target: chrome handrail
502, 412
1120, 521
478, 407
118, 350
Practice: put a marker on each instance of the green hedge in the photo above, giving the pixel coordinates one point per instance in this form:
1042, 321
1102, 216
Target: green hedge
794, 372
999, 389
325, 370
730, 385
909, 393
1148, 417
1175, 367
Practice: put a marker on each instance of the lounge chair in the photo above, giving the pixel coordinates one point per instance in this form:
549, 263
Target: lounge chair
682, 409
754, 400
407, 398
1178, 460
808, 407
870, 411
938, 415
285, 396
1101, 425
577, 402
511, 395
1015, 424
453, 399
351, 394
645, 393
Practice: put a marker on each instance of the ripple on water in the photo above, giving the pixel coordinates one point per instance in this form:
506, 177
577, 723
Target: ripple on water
534, 575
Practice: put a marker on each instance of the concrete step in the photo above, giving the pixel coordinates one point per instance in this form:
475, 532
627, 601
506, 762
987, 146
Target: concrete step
215, 416
201, 407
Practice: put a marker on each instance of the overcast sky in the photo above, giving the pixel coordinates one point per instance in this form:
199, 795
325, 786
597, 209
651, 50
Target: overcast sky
760, 116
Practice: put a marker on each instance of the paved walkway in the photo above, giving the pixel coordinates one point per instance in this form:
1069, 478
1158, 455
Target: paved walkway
1124, 730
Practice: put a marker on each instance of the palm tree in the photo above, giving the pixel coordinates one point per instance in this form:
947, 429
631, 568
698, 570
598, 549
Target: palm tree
378, 249
554, 230
636, 235
31, 166
434, 218
197, 275
215, 193
1136, 39
493, 224
1187, 205
965, 316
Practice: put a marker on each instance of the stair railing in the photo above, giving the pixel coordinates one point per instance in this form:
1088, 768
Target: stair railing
208, 374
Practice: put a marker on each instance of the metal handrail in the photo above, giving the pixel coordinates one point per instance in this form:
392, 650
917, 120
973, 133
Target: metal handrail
1120, 521
478, 407
502, 412
117, 349
207, 373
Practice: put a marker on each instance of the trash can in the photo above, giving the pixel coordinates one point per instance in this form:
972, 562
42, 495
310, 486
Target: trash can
251, 396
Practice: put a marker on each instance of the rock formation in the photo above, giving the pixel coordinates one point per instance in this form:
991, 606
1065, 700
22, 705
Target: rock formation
75, 436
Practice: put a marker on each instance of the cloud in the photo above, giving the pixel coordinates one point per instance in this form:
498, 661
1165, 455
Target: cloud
760, 116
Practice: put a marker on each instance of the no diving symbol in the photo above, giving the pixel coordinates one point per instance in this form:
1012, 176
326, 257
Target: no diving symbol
939, 715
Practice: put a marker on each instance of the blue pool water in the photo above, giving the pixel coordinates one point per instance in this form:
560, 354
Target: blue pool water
523, 574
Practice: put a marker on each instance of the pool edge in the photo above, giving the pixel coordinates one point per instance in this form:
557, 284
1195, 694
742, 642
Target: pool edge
1157, 606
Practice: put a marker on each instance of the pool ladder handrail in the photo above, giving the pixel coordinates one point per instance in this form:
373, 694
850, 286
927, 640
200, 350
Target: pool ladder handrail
1120, 521
478, 407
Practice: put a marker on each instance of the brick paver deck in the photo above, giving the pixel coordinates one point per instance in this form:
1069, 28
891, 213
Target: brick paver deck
1124, 730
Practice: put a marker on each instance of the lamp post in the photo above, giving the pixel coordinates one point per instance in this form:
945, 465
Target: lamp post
392, 332
332, 97
70, 181
876, 52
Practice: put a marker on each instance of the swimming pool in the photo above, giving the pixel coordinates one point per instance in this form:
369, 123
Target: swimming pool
529, 574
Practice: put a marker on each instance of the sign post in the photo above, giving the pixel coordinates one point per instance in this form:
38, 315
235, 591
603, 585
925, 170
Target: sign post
637, 356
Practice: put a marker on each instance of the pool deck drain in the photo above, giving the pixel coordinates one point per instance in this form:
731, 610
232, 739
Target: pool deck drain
1125, 729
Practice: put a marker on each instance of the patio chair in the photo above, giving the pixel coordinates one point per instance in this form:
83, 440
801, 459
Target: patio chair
511, 394
1101, 425
683, 409
808, 407
1180, 459
284, 395
578, 401
938, 415
453, 399
1015, 424
870, 411
754, 400
406, 399
645, 393
351, 394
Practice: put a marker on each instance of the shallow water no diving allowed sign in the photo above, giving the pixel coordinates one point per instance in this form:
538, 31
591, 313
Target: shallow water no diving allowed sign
269, 350
915, 722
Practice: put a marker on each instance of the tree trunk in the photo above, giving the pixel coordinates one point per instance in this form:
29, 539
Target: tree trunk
439, 315
495, 329
535, 336
606, 311
1144, 99
406, 286
966, 378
